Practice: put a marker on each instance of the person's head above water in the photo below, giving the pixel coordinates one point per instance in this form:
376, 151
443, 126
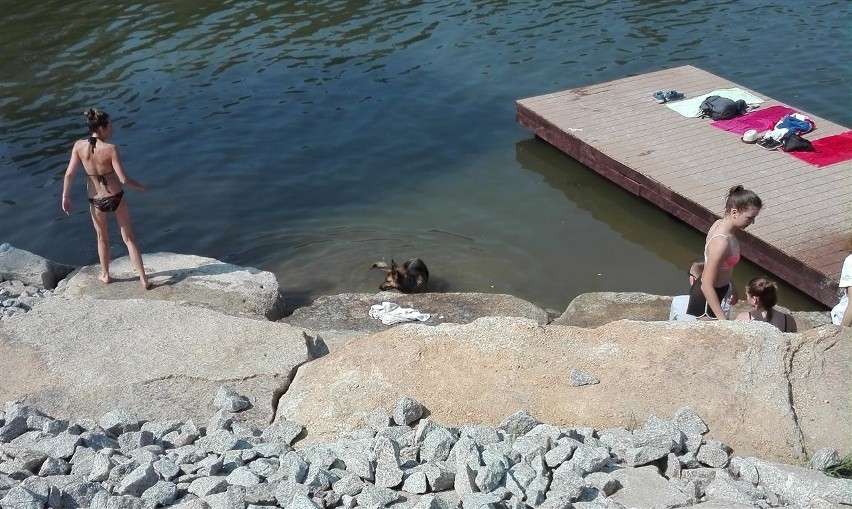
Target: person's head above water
96, 119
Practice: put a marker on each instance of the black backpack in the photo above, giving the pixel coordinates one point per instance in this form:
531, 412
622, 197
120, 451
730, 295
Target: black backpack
721, 108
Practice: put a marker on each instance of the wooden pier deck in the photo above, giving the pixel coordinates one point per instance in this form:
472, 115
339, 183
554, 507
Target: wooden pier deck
685, 166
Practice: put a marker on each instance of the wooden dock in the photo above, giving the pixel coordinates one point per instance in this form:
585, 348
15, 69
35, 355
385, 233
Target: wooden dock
685, 166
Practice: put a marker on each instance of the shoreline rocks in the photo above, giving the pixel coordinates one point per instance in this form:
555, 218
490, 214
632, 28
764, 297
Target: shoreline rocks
150, 364
122, 461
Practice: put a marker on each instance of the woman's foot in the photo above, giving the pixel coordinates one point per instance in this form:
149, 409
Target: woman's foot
105, 279
146, 285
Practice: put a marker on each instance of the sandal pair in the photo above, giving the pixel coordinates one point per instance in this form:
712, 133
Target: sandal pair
671, 95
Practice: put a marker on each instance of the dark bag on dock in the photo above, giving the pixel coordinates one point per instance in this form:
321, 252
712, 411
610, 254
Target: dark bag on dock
721, 108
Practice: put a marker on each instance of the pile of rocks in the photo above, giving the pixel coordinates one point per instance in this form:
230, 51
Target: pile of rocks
16, 297
400, 458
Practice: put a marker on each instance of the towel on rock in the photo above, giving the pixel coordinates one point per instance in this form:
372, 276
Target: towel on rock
390, 313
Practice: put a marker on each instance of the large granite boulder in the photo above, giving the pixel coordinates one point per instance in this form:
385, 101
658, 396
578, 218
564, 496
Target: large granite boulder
29, 268
81, 357
193, 279
346, 316
736, 375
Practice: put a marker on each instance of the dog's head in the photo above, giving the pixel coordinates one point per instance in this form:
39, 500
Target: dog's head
393, 277
411, 277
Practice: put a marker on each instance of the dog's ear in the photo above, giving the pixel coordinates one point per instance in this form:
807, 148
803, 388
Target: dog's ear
394, 266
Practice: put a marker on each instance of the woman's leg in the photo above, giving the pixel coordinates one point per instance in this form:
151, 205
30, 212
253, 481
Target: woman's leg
122, 214
99, 219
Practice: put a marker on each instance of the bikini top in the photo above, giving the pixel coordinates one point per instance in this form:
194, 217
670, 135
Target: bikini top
727, 262
101, 177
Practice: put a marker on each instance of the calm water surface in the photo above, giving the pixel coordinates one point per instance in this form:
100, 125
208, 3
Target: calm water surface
311, 139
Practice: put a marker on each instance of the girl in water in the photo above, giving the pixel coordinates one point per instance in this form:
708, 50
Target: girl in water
762, 294
721, 254
106, 177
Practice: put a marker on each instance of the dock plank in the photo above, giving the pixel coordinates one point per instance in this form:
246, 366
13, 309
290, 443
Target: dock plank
686, 166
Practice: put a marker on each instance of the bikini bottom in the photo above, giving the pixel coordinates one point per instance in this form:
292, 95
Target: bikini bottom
698, 303
109, 203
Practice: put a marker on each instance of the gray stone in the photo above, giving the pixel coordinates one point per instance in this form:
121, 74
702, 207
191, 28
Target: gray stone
439, 476
689, 422
406, 411
221, 441
714, 453
645, 487
373, 497
519, 423
415, 482
222, 419
388, 474
166, 468
54, 466
243, 476
359, 458
465, 480
26, 459
134, 440
138, 480
228, 399
349, 484
604, 482
578, 377
437, 445
591, 310
100, 468
160, 428
745, 470
481, 434
261, 494
293, 468
320, 479
490, 476
723, 487
120, 420
162, 493
205, 486
14, 427
61, 446
282, 430
567, 481
480, 501
824, 458
586, 459
264, 467
233, 497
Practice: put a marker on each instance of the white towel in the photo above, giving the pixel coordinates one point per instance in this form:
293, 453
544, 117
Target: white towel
390, 313
689, 107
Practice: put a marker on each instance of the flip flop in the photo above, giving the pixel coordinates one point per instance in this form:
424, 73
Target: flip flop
672, 95
659, 96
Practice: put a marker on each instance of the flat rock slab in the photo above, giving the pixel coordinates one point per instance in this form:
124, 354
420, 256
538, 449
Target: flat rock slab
187, 278
83, 357
345, 316
734, 374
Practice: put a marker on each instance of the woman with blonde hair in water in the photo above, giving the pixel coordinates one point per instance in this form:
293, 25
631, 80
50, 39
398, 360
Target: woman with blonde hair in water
106, 177
762, 294
722, 253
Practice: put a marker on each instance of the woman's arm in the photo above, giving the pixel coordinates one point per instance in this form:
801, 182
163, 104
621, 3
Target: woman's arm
715, 252
69, 176
122, 176
847, 313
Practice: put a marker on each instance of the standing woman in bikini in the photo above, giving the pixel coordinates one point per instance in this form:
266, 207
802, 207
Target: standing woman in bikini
106, 177
721, 254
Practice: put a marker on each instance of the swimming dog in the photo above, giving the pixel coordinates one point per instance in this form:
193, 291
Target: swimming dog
412, 277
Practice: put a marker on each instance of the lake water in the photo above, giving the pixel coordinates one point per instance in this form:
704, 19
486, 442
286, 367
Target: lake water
312, 139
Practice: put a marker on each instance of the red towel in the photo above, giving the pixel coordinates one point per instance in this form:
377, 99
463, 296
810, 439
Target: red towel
828, 150
760, 120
